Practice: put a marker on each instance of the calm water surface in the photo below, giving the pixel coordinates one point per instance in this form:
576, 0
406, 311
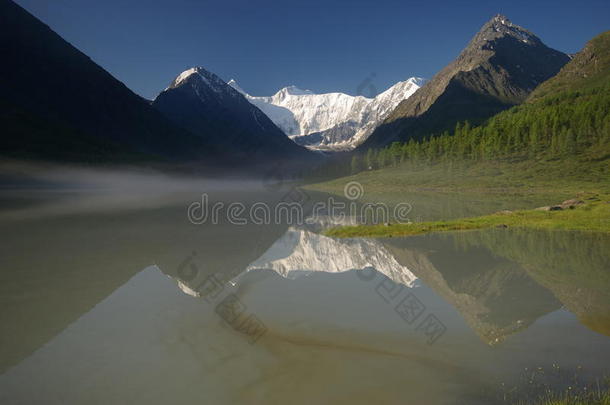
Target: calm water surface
119, 298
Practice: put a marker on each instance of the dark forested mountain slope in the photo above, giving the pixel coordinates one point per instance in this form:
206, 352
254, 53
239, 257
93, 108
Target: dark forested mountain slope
58, 104
566, 119
204, 104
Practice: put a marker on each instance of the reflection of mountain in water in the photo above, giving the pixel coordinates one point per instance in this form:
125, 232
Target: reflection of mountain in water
572, 265
500, 281
494, 295
76, 261
301, 252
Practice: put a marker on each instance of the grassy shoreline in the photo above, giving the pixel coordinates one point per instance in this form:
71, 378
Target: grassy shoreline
556, 180
569, 176
593, 215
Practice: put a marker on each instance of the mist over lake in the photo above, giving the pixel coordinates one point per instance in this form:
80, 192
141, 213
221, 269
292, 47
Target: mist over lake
316, 203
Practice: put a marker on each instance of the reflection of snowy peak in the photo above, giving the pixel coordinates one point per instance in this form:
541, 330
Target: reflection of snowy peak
333, 120
301, 252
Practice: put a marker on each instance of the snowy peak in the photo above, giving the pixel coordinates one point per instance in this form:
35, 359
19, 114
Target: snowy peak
330, 121
183, 76
197, 76
417, 81
292, 91
286, 91
400, 89
281, 116
202, 103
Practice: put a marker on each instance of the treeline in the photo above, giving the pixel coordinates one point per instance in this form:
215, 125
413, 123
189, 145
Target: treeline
566, 124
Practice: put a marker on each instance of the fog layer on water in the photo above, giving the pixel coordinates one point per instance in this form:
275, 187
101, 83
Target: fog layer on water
33, 190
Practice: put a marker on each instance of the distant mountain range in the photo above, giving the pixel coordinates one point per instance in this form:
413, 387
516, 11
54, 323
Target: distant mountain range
330, 121
79, 112
498, 69
57, 104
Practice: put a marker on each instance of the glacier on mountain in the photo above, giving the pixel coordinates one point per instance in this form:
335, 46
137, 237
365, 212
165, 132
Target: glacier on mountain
330, 121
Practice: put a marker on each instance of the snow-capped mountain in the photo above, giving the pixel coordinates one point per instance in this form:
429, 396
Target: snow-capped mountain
202, 103
332, 121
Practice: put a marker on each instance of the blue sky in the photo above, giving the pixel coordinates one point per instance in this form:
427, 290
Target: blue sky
319, 45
